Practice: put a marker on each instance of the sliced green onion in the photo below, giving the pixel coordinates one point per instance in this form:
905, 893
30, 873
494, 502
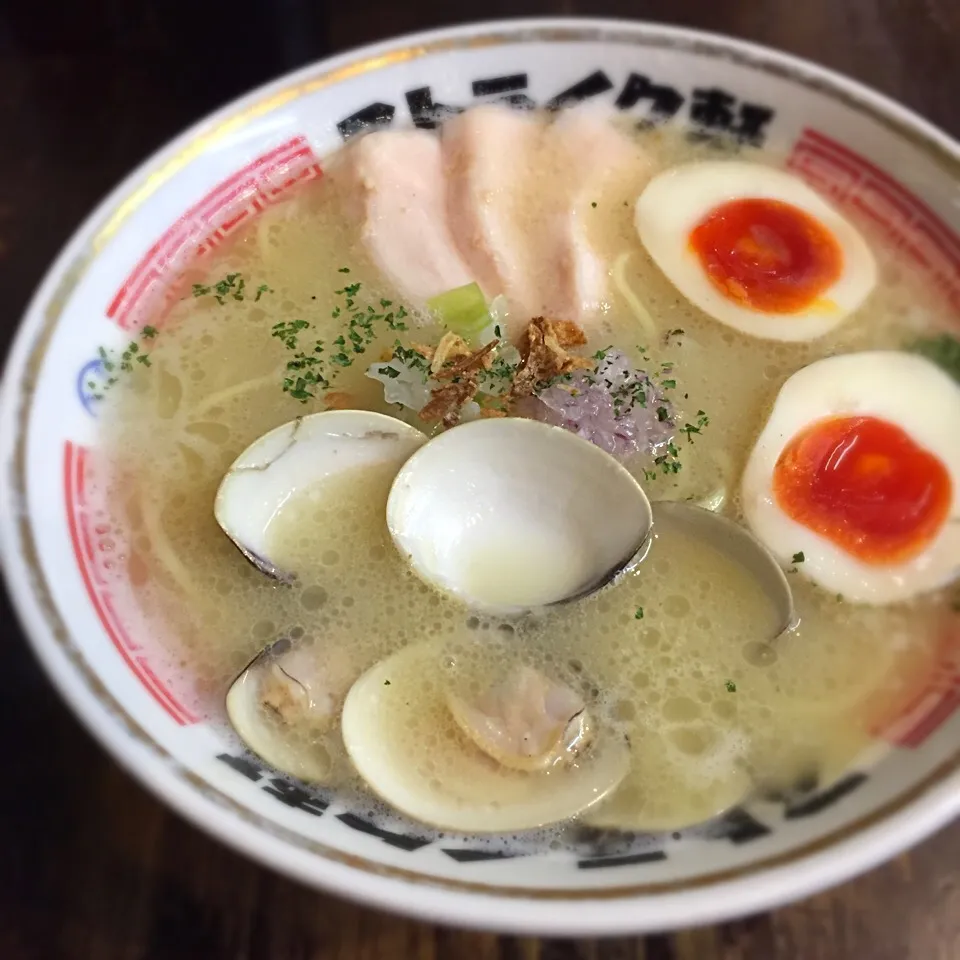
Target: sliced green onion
462, 310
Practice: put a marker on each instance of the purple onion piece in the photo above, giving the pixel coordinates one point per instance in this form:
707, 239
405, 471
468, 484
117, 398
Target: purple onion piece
604, 407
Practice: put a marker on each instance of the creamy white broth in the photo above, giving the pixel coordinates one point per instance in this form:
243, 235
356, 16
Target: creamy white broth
711, 707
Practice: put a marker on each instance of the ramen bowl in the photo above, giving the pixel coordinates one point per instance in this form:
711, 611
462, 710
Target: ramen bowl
861, 150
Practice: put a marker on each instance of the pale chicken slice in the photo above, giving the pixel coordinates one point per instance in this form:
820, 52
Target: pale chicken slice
587, 153
490, 162
520, 191
397, 190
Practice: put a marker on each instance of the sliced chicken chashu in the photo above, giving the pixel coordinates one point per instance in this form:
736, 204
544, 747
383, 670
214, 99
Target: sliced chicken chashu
490, 161
585, 152
519, 190
396, 188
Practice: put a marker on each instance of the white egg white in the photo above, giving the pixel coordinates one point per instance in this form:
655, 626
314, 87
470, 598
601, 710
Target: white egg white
901, 388
678, 200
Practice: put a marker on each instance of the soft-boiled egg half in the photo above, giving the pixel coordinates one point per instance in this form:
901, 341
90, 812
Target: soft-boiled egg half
755, 248
855, 479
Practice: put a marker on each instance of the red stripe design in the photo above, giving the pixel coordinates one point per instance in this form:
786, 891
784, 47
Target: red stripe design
914, 228
92, 564
907, 222
207, 223
936, 703
930, 711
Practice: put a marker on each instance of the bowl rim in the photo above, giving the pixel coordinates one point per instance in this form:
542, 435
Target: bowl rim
632, 909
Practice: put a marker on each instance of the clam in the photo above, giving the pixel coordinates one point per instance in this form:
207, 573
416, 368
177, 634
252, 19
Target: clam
492, 767
739, 545
528, 722
693, 772
669, 789
511, 514
295, 456
285, 702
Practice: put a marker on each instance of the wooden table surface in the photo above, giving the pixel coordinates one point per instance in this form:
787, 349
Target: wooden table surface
91, 866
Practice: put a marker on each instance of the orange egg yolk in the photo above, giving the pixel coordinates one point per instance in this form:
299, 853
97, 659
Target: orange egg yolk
767, 255
866, 486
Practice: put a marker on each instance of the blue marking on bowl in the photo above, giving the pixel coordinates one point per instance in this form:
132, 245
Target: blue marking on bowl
90, 397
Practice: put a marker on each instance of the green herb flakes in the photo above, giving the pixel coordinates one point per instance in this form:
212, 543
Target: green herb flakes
233, 285
691, 428
669, 462
288, 332
730, 685
111, 364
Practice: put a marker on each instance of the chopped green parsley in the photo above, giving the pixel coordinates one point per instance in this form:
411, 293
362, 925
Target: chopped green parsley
316, 364
799, 557
731, 686
669, 462
232, 286
113, 365
690, 428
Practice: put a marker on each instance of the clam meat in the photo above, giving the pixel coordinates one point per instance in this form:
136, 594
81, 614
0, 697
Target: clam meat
491, 768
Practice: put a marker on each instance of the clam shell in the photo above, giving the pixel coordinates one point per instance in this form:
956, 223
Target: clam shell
294, 456
400, 735
286, 700
511, 514
739, 544
706, 787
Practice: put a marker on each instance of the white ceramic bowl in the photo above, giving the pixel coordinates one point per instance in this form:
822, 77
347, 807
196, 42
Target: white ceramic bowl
861, 149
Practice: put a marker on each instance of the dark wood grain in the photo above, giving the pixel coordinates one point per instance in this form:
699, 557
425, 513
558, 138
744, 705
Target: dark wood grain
90, 865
